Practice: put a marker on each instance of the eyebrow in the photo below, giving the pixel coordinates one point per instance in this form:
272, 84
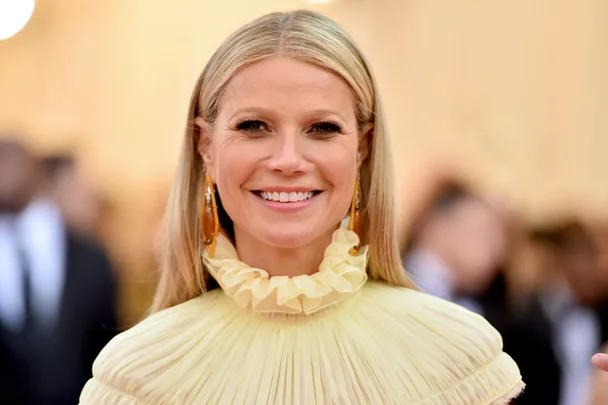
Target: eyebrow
322, 111
265, 111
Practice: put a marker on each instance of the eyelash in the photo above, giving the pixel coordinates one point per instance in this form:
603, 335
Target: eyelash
322, 128
250, 125
327, 128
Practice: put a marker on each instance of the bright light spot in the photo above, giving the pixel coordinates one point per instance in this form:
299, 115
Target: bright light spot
14, 14
320, 1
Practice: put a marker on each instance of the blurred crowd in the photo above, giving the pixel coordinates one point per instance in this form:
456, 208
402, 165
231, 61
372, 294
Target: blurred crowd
543, 286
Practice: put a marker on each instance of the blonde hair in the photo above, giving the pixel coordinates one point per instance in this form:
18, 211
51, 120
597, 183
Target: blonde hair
309, 37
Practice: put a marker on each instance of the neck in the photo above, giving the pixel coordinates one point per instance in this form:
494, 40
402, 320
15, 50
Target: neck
276, 261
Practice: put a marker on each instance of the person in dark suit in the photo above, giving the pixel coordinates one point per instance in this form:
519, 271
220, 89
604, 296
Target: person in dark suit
57, 291
577, 305
456, 252
528, 337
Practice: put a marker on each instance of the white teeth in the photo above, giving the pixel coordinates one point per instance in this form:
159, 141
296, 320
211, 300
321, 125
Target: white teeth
286, 197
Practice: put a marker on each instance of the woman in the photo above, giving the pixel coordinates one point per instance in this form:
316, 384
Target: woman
281, 277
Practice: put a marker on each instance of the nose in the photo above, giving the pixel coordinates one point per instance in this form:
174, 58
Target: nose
287, 155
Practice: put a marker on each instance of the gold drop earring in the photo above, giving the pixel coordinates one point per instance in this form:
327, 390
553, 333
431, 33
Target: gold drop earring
210, 224
356, 218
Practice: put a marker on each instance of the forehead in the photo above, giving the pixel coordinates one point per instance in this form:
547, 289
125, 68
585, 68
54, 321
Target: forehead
284, 83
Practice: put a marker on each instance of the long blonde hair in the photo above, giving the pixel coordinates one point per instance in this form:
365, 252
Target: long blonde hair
309, 37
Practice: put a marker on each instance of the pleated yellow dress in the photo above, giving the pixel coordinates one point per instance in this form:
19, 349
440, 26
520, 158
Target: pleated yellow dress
329, 338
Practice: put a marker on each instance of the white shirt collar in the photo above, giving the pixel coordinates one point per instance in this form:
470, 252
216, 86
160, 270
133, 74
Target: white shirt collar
40, 232
431, 274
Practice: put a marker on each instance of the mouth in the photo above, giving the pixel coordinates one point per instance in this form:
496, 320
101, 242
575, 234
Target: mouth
287, 197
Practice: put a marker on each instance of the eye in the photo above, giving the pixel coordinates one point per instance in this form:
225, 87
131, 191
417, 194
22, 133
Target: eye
325, 128
252, 126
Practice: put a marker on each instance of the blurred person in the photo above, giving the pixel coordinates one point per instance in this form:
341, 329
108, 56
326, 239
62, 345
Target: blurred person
575, 301
529, 333
567, 309
80, 204
531, 263
600, 235
281, 281
579, 258
457, 245
57, 292
17, 187
458, 251
18, 177
600, 232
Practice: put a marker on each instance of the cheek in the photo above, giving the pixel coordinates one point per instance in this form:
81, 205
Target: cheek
340, 172
234, 164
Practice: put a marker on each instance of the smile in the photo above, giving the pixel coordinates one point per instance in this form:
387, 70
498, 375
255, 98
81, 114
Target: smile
286, 197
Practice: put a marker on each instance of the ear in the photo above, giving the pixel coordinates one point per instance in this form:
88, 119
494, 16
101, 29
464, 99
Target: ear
204, 142
365, 141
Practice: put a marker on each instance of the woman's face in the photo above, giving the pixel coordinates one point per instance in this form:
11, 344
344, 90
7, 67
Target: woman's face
283, 151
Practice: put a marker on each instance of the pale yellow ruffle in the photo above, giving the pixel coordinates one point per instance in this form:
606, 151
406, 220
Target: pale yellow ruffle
340, 275
384, 345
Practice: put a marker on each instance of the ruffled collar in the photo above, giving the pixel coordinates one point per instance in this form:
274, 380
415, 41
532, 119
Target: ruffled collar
340, 275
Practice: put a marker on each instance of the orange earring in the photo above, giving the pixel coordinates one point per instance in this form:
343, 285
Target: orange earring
356, 218
210, 224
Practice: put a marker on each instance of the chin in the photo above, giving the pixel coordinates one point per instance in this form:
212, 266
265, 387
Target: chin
289, 234
287, 240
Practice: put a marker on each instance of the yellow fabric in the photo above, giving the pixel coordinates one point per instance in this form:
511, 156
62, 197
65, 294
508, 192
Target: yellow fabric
329, 338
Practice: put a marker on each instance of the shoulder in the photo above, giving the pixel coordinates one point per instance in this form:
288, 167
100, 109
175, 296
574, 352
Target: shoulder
133, 364
407, 305
422, 317
457, 349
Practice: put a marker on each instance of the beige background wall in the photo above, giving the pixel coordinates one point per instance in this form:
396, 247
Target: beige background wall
517, 90
513, 90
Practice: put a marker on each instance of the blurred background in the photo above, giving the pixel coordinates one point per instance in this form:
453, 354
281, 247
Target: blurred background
498, 113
